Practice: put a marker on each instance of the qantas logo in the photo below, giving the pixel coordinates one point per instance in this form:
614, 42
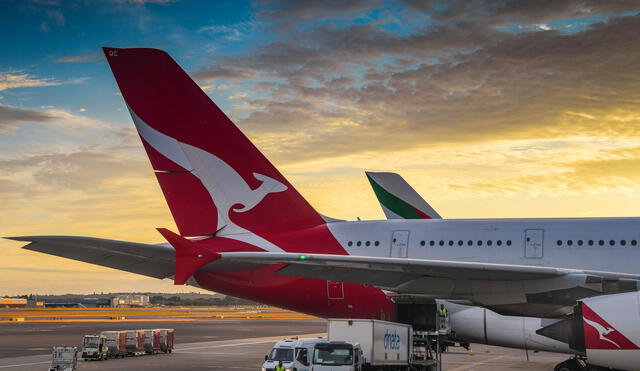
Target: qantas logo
599, 334
228, 190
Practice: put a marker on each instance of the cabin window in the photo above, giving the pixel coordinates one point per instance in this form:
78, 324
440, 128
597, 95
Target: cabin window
350, 243
570, 242
579, 242
612, 242
422, 243
469, 242
479, 242
377, 243
359, 243
623, 242
367, 243
559, 242
634, 242
450, 243
460, 242
489, 243
601, 242
590, 242
508, 242
441, 243
499, 242
432, 243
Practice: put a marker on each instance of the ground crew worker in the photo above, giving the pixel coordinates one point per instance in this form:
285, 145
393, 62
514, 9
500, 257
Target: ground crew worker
279, 367
442, 313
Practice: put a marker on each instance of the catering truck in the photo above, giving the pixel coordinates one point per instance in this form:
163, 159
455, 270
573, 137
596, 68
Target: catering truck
357, 344
295, 354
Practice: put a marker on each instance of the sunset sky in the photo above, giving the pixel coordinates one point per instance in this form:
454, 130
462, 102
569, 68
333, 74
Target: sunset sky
505, 108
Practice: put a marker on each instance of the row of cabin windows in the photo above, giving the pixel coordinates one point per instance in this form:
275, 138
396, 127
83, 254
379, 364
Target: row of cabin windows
433, 243
599, 242
365, 243
469, 242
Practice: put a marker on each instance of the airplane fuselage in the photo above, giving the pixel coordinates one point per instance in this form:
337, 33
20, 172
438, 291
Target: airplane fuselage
597, 244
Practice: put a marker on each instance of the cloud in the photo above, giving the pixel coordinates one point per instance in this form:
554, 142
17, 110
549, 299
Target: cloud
18, 79
77, 58
12, 117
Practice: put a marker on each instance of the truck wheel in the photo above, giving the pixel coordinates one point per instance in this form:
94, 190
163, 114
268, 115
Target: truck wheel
568, 365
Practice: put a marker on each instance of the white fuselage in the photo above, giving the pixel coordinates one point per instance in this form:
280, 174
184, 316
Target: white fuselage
598, 244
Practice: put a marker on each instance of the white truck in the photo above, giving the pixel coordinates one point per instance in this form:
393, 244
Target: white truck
95, 347
295, 354
356, 344
64, 359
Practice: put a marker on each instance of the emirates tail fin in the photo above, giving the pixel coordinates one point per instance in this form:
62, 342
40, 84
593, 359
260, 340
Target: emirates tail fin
398, 199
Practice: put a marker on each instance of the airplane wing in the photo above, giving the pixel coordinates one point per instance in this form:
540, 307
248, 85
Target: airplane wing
149, 260
508, 289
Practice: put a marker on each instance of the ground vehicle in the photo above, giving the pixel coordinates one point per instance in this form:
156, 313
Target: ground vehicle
135, 342
64, 359
357, 343
152, 341
116, 342
166, 339
295, 354
95, 347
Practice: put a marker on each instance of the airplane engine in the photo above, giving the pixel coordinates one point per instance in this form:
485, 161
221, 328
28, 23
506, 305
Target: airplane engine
481, 325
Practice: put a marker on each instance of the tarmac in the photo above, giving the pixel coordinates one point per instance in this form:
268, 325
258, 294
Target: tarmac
221, 344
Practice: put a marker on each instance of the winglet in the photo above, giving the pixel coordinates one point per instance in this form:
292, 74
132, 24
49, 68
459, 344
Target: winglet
189, 256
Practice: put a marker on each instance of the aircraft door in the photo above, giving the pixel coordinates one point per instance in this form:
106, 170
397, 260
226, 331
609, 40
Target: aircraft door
335, 290
399, 244
533, 243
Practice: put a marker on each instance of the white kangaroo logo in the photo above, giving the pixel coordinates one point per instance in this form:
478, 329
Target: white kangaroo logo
227, 188
602, 331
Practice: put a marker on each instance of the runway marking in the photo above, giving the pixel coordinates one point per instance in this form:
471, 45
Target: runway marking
25, 364
224, 345
470, 366
215, 353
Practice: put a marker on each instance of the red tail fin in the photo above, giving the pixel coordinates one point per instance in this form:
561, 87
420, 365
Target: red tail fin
211, 174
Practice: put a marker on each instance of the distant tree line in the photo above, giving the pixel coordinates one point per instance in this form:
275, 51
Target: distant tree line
178, 301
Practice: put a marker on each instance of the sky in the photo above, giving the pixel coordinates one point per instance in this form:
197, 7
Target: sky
507, 108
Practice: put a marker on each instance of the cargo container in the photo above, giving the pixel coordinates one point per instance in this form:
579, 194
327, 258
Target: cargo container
135, 342
117, 343
166, 339
152, 341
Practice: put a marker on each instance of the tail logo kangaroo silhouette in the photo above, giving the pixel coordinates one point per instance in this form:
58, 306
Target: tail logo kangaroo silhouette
228, 190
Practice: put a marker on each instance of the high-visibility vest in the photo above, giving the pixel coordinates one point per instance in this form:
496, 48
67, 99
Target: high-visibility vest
442, 311
279, 368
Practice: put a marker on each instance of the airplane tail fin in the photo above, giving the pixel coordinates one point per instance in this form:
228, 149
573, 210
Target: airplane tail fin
213, 178
398, 199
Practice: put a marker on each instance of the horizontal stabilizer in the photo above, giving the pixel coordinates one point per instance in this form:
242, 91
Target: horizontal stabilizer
189, 256
149, 260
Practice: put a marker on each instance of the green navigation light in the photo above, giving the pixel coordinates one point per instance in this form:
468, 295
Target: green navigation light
303, 257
